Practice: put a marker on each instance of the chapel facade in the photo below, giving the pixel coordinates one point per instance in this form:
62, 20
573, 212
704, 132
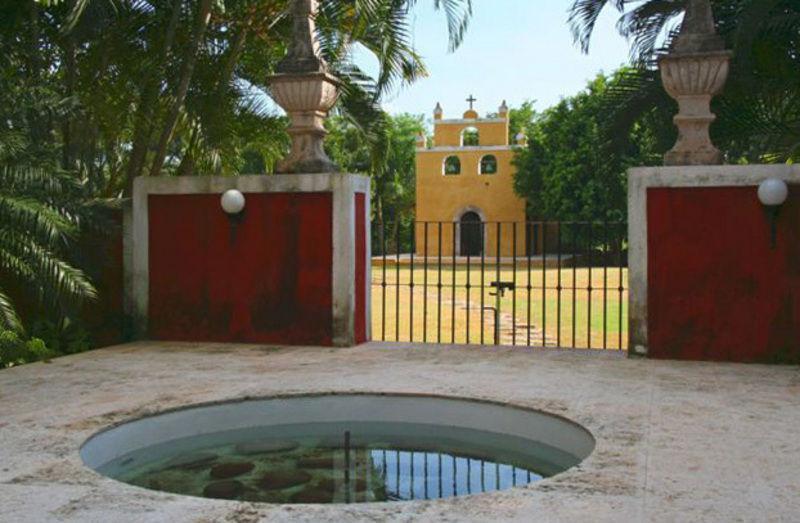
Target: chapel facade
465, 182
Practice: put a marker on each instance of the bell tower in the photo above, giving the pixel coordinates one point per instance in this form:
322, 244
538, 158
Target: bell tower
465, 179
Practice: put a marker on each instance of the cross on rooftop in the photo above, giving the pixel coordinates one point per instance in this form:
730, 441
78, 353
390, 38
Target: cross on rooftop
471, 100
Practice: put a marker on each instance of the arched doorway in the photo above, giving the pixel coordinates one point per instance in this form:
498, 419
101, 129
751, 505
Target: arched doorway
471, 234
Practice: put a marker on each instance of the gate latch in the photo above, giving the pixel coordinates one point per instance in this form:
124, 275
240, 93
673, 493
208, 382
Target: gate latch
501, 287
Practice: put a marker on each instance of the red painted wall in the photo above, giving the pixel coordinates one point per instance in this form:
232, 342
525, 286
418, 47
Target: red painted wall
266, 279
360, 270
716, 291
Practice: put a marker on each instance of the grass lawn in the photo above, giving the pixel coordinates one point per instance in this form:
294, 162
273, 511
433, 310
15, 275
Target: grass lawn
574, 320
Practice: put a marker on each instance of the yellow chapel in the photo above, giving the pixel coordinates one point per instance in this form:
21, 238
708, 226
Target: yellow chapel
465, 182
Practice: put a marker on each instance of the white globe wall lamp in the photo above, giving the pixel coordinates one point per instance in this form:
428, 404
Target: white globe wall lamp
772, 194
232, 202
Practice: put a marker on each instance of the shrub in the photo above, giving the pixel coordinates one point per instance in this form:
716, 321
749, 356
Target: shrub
15, 351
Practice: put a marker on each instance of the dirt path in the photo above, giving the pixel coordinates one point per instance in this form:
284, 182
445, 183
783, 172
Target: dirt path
510, 334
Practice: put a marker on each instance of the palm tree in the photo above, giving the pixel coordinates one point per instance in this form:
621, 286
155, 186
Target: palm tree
96, 92
38, 218
759, 111
188, 72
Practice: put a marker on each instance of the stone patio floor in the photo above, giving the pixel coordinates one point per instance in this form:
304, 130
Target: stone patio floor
676, 441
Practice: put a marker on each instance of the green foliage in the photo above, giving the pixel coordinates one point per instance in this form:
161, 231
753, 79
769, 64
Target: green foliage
521, 120
470, 137
759, 110
180, 87
94, 93
390, 161
15, 351
62, 337
569, 171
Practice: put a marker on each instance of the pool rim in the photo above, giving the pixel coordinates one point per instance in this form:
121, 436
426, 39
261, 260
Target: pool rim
340, 393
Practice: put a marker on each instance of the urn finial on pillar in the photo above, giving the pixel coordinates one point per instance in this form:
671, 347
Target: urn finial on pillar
693, 73
305, 89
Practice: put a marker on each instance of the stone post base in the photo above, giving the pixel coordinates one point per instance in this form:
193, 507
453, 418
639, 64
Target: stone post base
711, 157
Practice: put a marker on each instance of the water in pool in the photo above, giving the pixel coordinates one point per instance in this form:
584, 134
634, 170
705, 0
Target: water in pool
340, 463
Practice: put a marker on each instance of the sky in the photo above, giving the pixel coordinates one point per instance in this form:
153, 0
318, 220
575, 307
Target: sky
515, 50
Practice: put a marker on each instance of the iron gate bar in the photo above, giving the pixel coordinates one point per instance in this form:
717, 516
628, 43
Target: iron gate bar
558, 284
605, 285
514, 290
590, 251
467, 288
383, 283
574, 283
453, 292
498, 301
425, 290
439, 301
544, 283
589, 289
620, 286
483, 275
531, 239
397, 290
411, 288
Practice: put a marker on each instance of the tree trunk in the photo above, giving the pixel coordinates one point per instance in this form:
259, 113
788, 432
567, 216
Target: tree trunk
186, 73
69, 91
237, 45
379, 218
143, 126
33, 52
186, 167
395, 231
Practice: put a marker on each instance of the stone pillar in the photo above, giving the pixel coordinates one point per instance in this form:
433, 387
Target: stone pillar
705, 283
305, 89
693, 73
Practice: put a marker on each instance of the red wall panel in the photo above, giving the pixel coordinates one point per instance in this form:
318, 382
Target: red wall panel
360, 270
266, 279
716, 291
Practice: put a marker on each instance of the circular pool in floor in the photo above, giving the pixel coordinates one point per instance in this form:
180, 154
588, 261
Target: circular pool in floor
334, 448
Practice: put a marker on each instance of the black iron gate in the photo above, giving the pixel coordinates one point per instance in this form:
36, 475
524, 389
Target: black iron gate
538, 284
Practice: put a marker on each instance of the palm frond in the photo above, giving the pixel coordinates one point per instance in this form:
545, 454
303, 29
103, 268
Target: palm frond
36, 218
758, 110
8, 314
583, 16
458, 13
644, 25
56, 281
